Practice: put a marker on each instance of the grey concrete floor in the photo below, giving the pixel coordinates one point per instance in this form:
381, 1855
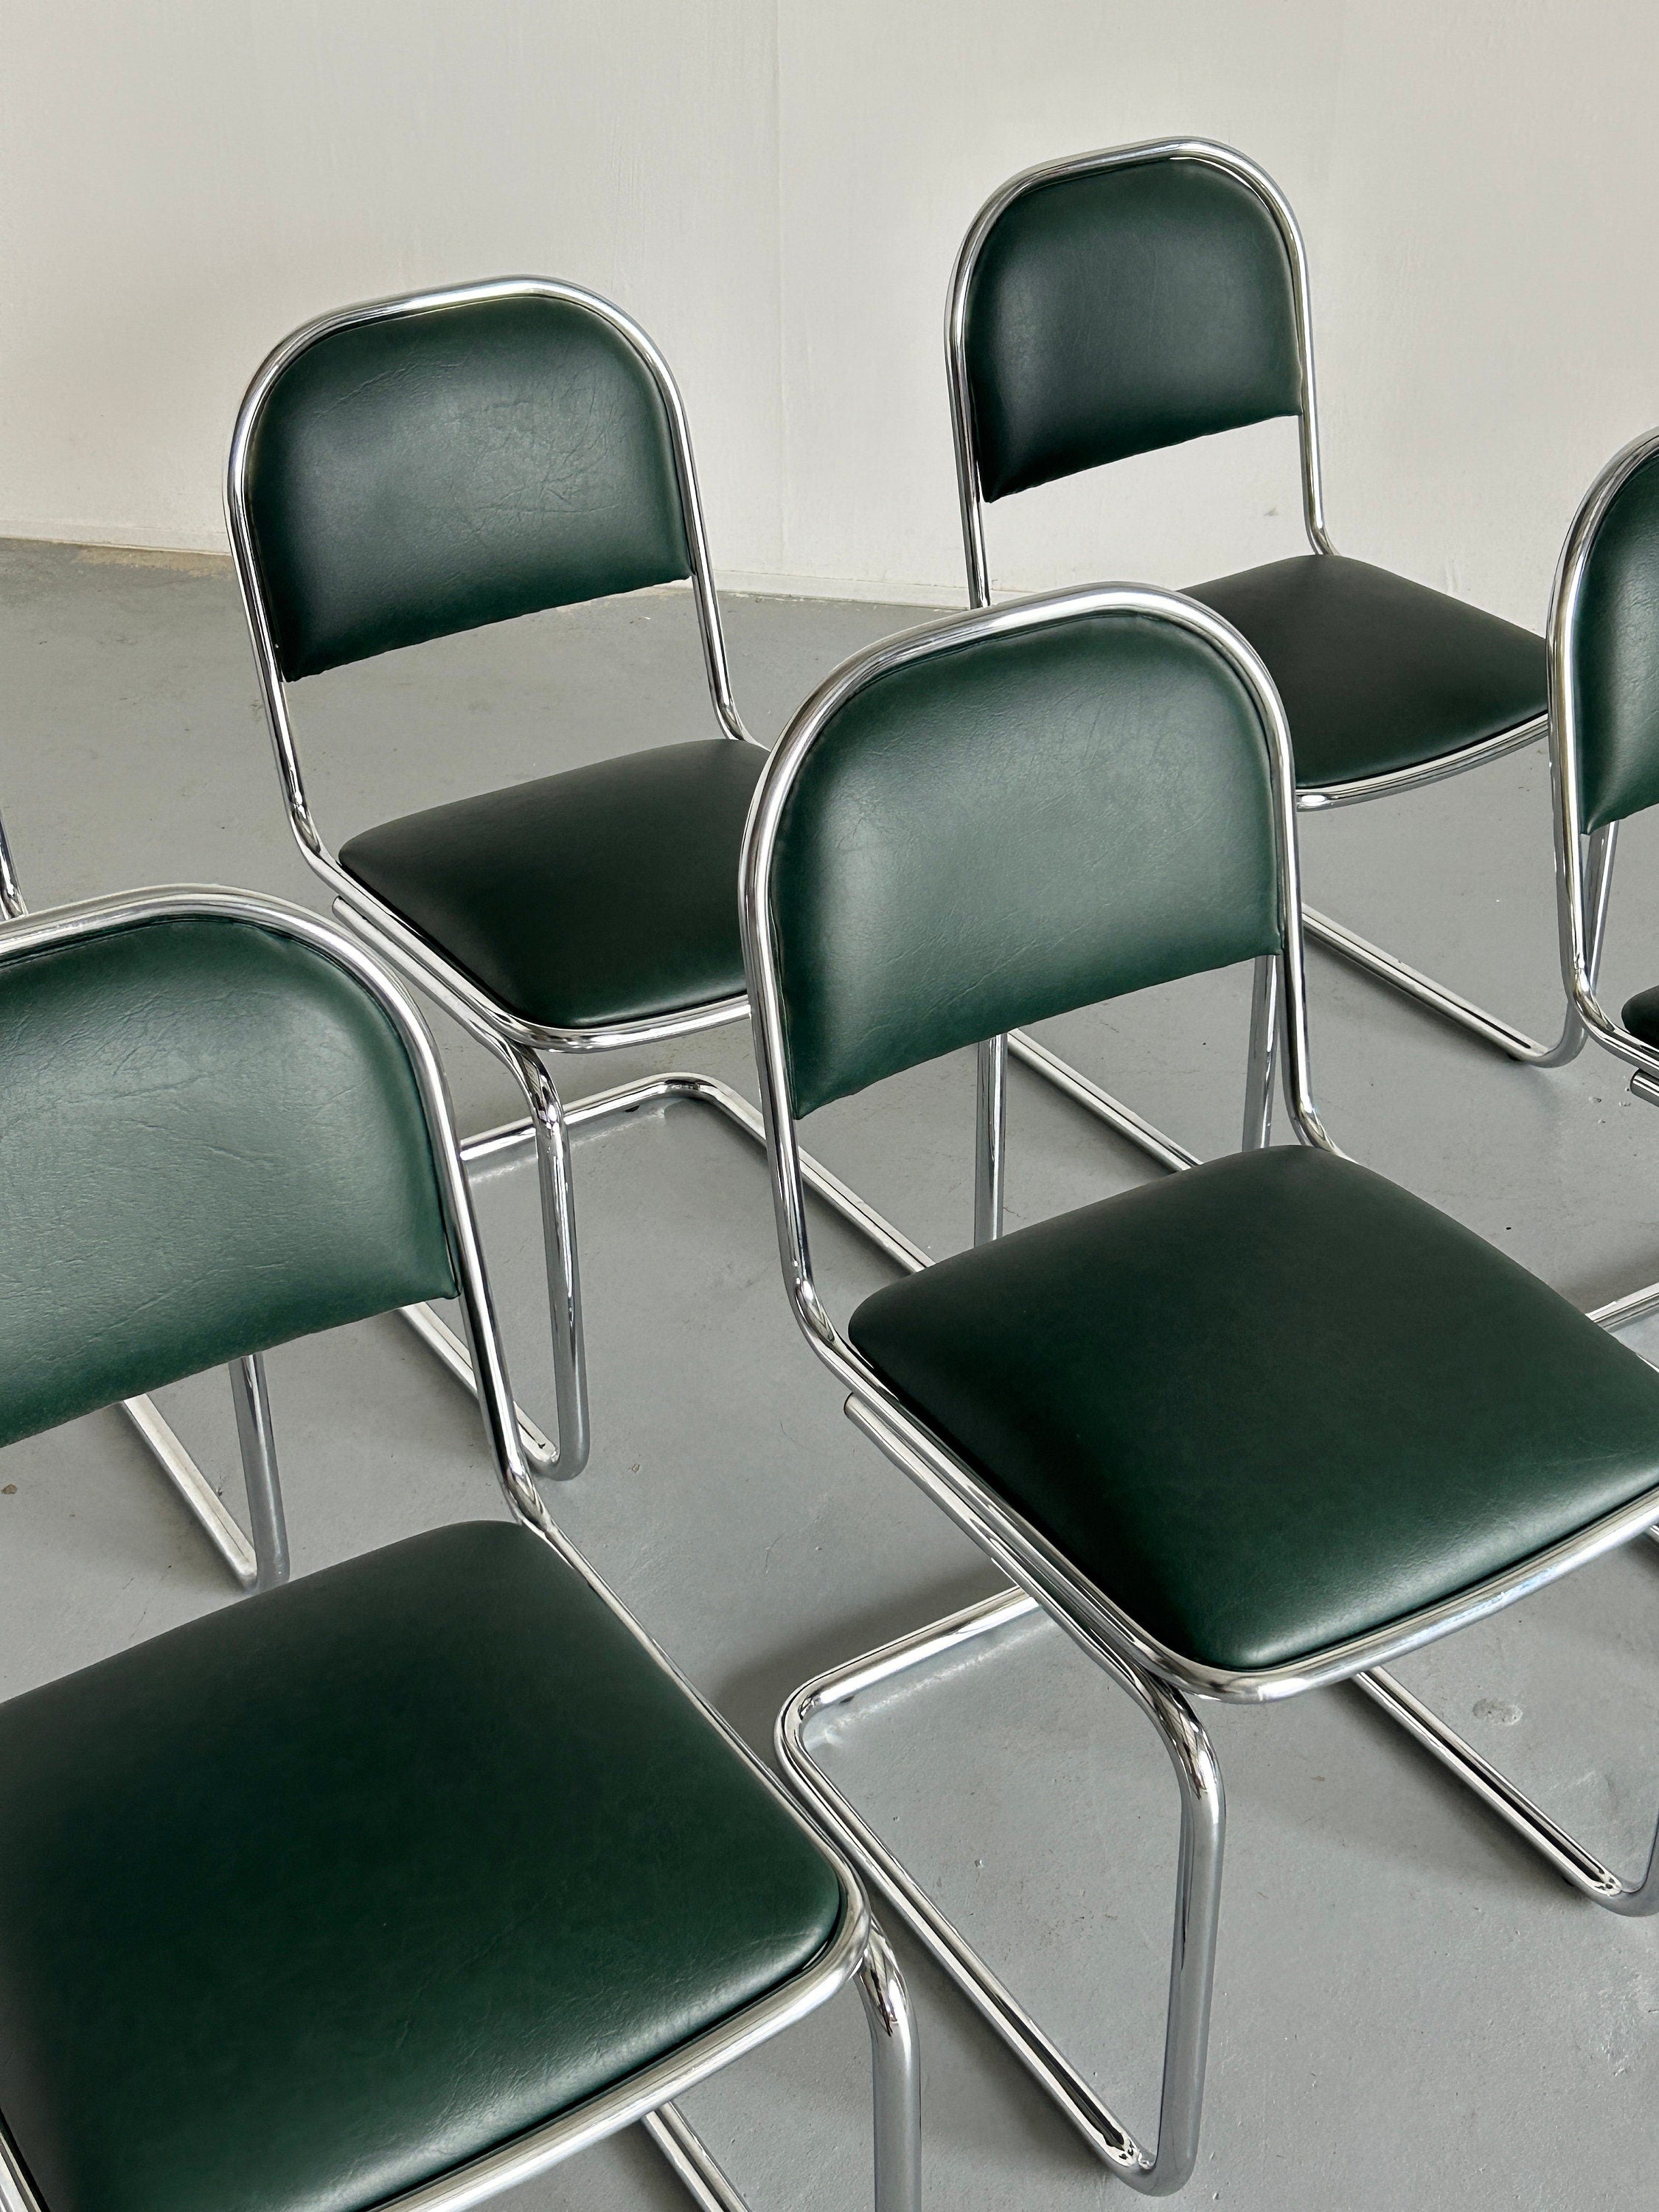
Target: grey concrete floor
1410, 2010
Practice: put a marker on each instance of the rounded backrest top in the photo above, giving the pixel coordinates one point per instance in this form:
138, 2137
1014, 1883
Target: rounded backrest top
1122, 307
423, 468
997, 831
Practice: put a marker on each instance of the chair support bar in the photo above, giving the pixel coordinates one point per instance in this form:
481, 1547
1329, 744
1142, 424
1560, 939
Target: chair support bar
258, 1449
1441, 999
689, 2158
1198, 1889
263, 1563
1118, 1117
1569, 1857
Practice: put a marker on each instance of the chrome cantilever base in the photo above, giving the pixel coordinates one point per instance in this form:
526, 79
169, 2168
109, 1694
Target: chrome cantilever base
1439, 998
1168, 2164
1122, 1120
1569, 1857
1383, 967
1634, 1303
1198, 1883
1372, 960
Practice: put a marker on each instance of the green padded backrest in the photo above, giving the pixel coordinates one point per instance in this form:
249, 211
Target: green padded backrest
1124, 309
211, 1141
1009, 829
433, 471
1614, 668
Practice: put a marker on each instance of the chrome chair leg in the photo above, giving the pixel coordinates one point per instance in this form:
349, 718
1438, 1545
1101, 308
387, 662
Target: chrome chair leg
559, 1243
263, 1563
1263, 1065
198, 1494
896, 2078
1440, 998
264, 1496
1168, 2164
548, 1124
896, 2083
1569, 1857
1121, 1120
990, 1138
1384, 967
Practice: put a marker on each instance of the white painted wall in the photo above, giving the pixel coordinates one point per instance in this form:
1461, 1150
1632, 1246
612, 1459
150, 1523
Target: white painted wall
777, 189
183, 181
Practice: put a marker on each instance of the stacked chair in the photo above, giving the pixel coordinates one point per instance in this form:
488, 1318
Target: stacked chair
408, 1880
1242, 1433
1119, 302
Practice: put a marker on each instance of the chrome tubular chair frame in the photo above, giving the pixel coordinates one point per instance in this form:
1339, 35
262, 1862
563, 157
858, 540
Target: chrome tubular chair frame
519, 1043
258, 1559
1160, 1681
1384, 966
857, 1951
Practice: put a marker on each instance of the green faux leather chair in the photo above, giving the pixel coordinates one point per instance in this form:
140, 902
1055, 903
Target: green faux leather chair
257, 1559
1604, 749
1118, 302
416, 467
407, 1880
1241, 1433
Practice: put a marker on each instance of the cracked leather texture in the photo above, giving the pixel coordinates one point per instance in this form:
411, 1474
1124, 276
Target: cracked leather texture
606, 893
1615, 664
318, 1896
437, 472
213, 1142
1008, 829
1272, 1402
1377, 673
1112, 313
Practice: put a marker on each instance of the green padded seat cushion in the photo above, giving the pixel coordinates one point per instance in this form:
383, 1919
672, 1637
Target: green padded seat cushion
1272, 1403
1641, 1016
607, 893
1377, 673
319, 1896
